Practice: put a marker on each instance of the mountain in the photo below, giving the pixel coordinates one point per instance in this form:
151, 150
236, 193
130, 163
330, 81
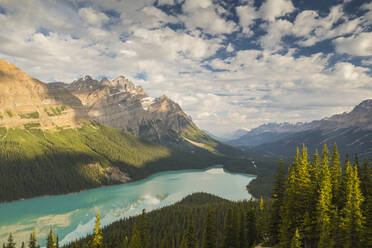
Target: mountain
269, 132
25, 101
126, 107
351, 131
56, 138
239, 133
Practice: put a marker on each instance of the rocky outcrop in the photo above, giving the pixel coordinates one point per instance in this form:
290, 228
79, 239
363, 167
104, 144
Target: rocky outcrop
27, 102
125, 106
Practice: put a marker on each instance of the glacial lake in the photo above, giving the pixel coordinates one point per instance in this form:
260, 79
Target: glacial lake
72, 216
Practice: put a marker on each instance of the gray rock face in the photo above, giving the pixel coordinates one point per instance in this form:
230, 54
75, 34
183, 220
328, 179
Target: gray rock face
125, 106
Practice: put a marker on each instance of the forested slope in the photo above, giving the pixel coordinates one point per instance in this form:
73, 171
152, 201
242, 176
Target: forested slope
36, 162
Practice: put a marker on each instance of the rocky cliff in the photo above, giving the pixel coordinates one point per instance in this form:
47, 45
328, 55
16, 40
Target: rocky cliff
27, 102
125, 106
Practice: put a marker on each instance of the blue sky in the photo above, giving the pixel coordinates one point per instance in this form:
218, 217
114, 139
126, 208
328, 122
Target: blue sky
229, 64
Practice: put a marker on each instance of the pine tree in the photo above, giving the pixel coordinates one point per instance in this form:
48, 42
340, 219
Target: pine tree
295, 241
51, 241
11, 243
297, 200
229, 233
143, 230
251, 226
125, 242
135, 241
277, 196
351, 218
242, 235
32, 243
364, 176
97, 234
210, 231
191, 241
324, 206
336, 172
287, 226
367, 235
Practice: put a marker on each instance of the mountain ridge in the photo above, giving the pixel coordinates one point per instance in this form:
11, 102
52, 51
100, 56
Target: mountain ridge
351, 130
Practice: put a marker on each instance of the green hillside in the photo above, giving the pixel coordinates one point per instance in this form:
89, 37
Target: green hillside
36, 162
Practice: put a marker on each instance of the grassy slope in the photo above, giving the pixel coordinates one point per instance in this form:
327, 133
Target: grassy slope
35, 162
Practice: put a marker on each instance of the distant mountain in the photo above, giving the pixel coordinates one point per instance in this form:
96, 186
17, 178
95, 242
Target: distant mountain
270, 132
351, 131
239, 133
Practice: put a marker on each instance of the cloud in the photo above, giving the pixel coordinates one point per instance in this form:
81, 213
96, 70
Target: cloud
312, 28
165, 2
203, 14
92, 16
254, 79
275, 31
247, 15
358, 45
272, 9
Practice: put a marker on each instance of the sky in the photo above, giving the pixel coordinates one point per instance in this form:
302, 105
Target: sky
229, 64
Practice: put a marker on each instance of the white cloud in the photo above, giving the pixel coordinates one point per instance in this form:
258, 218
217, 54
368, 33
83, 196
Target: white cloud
313, 28
272, 9
275, 31
165, 2
247, 15
92, 16
358, 45
254, 86
229, 48
203, 14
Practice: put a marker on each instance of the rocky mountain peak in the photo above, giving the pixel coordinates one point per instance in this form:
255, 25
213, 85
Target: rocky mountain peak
366, 105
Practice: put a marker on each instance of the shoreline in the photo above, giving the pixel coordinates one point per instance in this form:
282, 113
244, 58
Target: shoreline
136, 181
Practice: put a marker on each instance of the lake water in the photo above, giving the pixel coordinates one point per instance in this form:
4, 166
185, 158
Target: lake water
73, 215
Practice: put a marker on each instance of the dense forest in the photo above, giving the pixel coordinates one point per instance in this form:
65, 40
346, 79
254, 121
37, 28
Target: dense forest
318, 203
35, 162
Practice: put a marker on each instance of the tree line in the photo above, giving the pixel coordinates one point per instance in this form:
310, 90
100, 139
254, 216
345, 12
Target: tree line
319, 202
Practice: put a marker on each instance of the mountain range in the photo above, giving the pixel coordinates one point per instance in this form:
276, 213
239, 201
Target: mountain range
352, 131
60, 138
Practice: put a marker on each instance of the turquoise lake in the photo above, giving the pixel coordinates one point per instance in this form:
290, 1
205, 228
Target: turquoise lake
72, 216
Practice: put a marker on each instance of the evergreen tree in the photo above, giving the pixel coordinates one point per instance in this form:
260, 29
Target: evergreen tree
135, 241
351, 218
143, 230
229, 231
11, 243
295, 241
336, 173
210, 232
364, 176
32, 243
251, 226
51, 241
277, 196
97, 234
242, 236
297, 200
324, 206
191, 241
125, 243
367, 236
